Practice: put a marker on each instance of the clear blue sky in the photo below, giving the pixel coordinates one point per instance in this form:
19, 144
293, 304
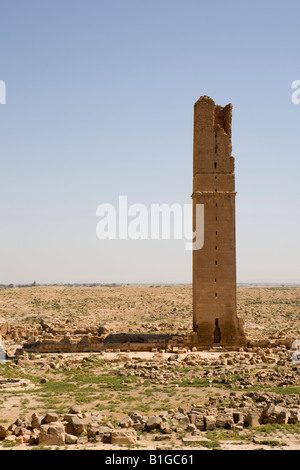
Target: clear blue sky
100, 99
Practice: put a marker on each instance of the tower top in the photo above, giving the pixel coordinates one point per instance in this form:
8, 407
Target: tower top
212, 137
205, 99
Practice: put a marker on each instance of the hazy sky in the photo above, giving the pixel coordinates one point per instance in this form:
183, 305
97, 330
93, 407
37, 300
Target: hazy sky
100, 98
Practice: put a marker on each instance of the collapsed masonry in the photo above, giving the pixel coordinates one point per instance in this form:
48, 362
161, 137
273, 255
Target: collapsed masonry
48, 338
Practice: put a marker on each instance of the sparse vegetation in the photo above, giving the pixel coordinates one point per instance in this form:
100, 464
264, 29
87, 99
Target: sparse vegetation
93, 381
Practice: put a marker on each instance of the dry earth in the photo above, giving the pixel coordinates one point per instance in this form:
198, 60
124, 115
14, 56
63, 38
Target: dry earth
169, 387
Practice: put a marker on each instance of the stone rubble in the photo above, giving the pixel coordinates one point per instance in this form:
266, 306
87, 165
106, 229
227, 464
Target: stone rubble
250, 410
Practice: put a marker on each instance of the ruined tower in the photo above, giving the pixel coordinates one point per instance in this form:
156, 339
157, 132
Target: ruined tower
214, 266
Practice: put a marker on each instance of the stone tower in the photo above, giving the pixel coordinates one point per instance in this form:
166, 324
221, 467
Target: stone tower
214, 266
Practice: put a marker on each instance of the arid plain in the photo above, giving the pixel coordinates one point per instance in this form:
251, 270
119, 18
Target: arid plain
247, 399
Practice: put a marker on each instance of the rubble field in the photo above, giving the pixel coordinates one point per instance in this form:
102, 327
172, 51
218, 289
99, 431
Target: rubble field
161, 399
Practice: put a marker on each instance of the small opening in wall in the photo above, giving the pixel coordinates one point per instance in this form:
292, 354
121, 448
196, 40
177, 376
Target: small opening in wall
216, 294
216, 219
215, 165
217, 332
215, 279
216, 177
216, 262
216, 204
216, 247
216, 233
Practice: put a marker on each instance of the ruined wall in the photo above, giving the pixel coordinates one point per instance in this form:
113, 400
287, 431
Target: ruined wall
89, 343
214, 266
19, 332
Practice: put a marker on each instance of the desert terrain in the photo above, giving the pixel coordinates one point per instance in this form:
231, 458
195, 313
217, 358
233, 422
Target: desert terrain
246, 399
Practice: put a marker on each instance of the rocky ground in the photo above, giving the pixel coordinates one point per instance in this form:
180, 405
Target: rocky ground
248, 399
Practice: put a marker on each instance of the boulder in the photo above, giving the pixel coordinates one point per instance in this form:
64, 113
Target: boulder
19, 440
153, 422
200, 423
70, 439
164, 427
294, 417
74, 425
224, 420
34, 436
99, 433
104, 429
136, 417
4, 432
36, 421
252, 419
52, 434
182, 417
271, 414
10, 438
75, 410
126, 422
139, 426
210, 422
191, 428
93, 431
26, 436
50, 418
124, 436
283, 417
18, 431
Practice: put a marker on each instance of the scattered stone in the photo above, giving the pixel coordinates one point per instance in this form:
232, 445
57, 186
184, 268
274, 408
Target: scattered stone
124, 436
10, 438
126, 423
34, 437
210, 422
153, 422
252, 419
3, 432
75, 410
52, 434
50, 418
70, 439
